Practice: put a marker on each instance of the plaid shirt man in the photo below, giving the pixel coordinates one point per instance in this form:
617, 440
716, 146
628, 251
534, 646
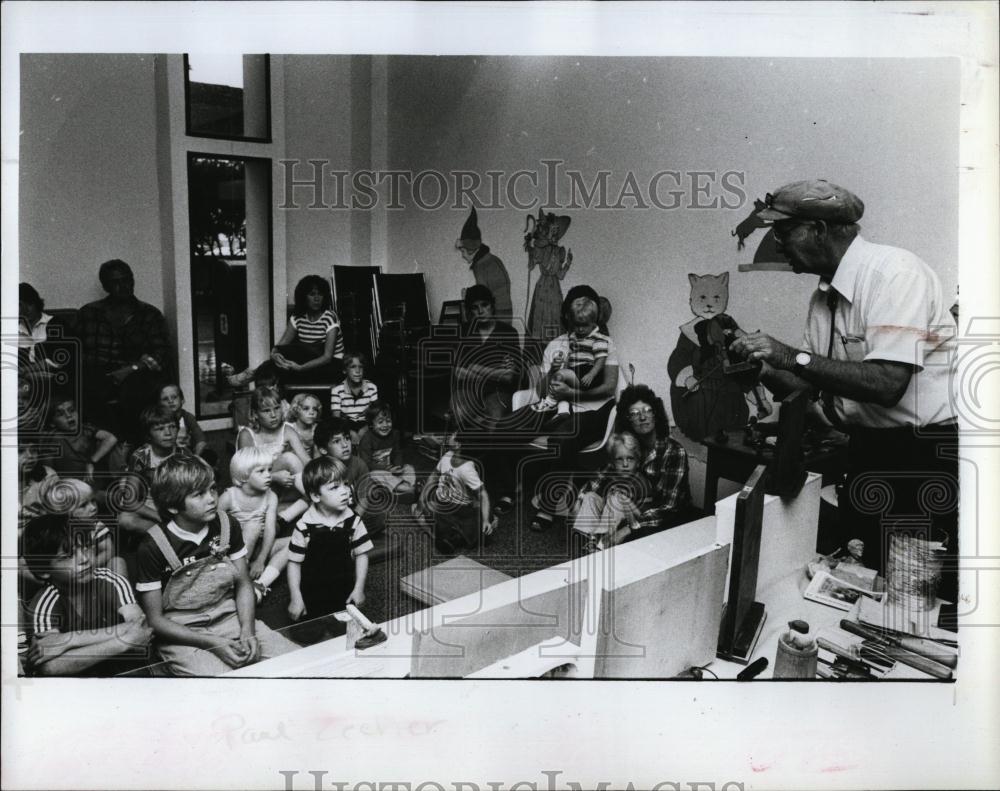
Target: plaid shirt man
105, 349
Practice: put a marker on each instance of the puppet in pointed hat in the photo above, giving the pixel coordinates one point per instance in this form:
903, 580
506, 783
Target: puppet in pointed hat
471, 237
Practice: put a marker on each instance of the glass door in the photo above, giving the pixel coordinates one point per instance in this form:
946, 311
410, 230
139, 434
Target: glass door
230, 271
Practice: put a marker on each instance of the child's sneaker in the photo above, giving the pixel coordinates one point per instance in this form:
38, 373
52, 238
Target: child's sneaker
547, 404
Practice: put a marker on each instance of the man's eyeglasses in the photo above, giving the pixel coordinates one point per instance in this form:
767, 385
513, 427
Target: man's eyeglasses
783, 228
638, 412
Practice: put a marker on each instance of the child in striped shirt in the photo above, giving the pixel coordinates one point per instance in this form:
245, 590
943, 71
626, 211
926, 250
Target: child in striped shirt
350, 400
581, 367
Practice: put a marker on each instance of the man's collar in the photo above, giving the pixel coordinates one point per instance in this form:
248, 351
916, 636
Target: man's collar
846, 276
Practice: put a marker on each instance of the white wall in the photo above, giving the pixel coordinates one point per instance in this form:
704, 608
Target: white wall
327, 116
886, 129
88, 178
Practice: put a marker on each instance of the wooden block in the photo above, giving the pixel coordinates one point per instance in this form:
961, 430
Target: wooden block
788, 538
468, 634
659, 624
456, 577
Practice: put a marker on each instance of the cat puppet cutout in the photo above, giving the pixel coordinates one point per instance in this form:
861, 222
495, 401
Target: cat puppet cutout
709, 391
541, 243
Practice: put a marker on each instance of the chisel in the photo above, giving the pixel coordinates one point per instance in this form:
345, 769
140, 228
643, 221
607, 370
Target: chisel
893, 647
925, 649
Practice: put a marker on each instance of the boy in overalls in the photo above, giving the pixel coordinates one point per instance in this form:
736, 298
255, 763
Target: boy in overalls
328, 553
192, 578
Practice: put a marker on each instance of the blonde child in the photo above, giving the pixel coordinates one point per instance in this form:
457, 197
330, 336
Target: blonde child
251, 502
269, 432
328, 553
457, 499
352, 397
77, 499
380, 448
305, 411
32, 477
582, 366
605, 511
189, 433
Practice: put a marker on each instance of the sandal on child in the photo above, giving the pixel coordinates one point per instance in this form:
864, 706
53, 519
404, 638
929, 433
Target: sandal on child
542, 521
418, 514
503, 507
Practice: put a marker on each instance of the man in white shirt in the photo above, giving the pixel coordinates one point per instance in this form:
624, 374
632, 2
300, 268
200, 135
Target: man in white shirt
877, 346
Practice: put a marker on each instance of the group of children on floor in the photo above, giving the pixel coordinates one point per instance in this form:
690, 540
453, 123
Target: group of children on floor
191, 564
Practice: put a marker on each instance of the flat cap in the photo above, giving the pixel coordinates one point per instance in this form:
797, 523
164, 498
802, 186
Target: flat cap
815, 199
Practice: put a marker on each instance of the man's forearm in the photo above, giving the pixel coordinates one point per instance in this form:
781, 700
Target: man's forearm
783, 383
876, 381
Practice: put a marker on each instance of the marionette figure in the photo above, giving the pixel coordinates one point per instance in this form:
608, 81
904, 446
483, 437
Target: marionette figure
541, 242
487, 269
708, 392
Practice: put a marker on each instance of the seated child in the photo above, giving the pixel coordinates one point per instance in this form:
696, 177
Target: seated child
192, 578
85, 615
269, 432
351, 398
81, 446
254, 506
583, 366
130, 501
32, 476
266, 376
456, 497
328, 553
333, 439
190, 437
305, 414
77, 499
380, 449
605, 511
161, 443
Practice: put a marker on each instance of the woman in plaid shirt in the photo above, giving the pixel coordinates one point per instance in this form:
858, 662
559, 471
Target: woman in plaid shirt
664, 466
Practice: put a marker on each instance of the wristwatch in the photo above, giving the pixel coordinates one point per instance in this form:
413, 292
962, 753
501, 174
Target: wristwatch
802, 360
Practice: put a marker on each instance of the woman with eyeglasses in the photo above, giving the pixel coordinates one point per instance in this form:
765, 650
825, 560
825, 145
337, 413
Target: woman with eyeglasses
663, 466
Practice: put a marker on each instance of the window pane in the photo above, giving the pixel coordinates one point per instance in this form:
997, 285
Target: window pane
227, 96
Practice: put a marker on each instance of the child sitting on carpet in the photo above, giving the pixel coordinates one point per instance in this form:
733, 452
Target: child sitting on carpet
380, 448
457, 499
254, 506
192, 578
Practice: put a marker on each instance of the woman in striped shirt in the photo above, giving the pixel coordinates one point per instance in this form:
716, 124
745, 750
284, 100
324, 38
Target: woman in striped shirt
311, 348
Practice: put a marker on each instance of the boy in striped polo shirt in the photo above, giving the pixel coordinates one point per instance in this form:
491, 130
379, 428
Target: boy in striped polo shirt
580, 364
350, 400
